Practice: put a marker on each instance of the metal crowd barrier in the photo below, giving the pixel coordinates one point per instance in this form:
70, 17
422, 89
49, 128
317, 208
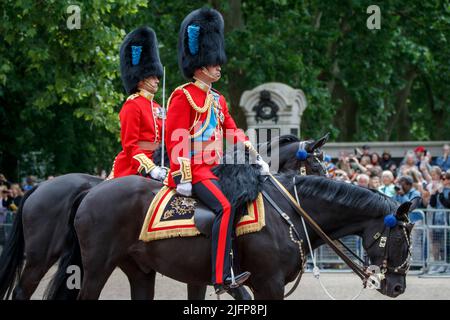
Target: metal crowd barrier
430, 246
6, 220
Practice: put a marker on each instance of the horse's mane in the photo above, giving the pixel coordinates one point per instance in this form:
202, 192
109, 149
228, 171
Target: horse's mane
287, 138
240, 183
279, 142
344, 194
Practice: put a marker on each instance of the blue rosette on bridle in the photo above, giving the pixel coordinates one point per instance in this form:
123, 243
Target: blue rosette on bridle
302, 154
390, 220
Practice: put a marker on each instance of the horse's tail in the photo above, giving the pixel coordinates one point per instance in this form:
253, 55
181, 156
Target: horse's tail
58, 288
12, 258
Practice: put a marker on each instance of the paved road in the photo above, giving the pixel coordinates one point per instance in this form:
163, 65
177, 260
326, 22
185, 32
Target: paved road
341, 285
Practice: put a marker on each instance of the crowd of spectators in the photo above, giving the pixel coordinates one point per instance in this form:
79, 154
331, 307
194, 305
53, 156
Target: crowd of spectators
416, 175
11, 193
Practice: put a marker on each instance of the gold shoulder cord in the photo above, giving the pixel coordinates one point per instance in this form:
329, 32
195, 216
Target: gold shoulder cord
206, 104
177, 88
202, 129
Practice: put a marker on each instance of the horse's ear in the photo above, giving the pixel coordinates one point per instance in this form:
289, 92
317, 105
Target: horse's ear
403, 210
409, 227
318, 143
415, 203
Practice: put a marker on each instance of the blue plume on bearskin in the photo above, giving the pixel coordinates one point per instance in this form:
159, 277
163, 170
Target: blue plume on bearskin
139, 58
135, 54
193, 33
209, 37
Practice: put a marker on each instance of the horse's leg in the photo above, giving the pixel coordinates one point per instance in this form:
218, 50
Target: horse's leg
94, 279
97, 268
31, 275
196, 292
268, 290
240, 293
142, 285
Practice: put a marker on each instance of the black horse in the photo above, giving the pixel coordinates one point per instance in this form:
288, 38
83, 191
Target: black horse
108, 221
36, 233
43, 217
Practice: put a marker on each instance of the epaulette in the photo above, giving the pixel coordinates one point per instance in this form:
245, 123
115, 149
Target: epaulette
133, 96
177, 88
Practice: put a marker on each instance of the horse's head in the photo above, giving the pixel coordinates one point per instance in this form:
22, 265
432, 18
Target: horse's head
305, 157
388, 246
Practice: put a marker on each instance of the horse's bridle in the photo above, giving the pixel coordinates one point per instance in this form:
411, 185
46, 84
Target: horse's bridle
383, 240
371, 275
315, 155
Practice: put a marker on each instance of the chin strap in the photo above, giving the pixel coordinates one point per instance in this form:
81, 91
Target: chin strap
209, 75
150, 87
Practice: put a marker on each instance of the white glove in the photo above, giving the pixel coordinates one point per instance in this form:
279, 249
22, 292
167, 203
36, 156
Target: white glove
185, 189
265, 170
158, 173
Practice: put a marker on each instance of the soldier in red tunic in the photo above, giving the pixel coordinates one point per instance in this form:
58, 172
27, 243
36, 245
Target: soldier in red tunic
197, 120
141, 116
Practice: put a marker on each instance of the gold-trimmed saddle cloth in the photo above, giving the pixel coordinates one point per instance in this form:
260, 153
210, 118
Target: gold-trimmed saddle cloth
171, 215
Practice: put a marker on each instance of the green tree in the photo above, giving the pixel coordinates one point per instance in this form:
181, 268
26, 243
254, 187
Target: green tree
60, 88
61, 91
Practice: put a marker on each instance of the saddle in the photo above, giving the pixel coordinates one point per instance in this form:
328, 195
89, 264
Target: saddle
204, 219
203, 216
173, 215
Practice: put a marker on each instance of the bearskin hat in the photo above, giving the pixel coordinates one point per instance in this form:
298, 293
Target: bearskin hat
139, 58
201, 41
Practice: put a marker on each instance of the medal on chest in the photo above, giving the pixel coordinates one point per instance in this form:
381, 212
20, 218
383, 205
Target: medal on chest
158, 112
218, 108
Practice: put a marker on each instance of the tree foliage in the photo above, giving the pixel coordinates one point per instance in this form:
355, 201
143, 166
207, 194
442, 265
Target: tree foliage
61, 91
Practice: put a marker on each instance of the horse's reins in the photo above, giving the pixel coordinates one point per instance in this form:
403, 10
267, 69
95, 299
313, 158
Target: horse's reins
360, 272
368, 274
292, 229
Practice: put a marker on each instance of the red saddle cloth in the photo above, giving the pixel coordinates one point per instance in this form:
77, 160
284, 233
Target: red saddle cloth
171, 215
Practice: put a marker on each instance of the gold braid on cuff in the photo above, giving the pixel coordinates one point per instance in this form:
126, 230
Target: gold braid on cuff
185, 170
145, 163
